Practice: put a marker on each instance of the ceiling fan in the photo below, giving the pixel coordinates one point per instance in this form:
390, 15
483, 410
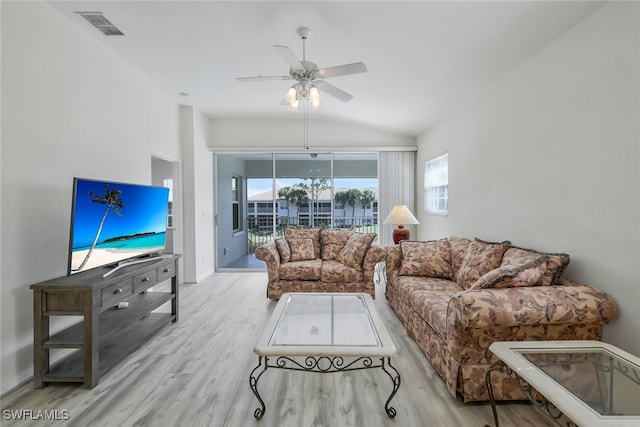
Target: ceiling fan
308, 76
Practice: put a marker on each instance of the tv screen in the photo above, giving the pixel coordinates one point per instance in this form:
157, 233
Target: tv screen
113, 221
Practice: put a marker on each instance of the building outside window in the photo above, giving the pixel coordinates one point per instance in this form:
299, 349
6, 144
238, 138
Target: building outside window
436, 185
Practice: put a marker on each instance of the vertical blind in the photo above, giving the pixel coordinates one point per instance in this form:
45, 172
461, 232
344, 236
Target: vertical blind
396, 178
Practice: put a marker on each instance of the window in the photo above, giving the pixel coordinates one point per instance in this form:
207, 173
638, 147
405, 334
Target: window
236, 211
436, 185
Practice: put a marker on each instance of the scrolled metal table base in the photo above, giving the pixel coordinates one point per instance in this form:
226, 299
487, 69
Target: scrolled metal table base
545, 406
323, 365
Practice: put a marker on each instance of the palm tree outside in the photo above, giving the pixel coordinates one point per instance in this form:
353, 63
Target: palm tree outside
367, 197
353, 196
342, 198
293, 195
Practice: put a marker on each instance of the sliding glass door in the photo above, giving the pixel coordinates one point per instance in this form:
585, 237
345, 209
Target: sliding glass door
303, 190
355, 191
279, 190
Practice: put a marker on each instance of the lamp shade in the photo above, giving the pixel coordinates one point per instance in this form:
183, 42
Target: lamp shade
401, 215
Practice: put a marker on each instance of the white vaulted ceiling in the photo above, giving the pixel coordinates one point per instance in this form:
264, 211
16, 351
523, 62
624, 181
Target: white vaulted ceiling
423, 57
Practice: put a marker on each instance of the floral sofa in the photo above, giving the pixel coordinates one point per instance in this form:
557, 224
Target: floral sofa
456, 296
321, 260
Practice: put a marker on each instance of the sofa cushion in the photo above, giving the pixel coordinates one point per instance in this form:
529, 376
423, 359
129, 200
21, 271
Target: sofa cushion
333, 241
305, 233
301, 249
512, 275
301, 270
556, 264
458, 247
432, 307
355, 250
411, 283
407, 284
431, 259
480, 258
283, 250
336, 272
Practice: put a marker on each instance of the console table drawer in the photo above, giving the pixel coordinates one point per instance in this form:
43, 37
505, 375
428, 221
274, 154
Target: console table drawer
166, 271
116, 293
143, 281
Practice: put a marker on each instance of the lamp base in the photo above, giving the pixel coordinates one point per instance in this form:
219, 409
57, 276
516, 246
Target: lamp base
399, 234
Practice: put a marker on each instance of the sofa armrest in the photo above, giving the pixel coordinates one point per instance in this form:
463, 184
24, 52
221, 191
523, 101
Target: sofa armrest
270, 255
374, 255
393, 263
535, 305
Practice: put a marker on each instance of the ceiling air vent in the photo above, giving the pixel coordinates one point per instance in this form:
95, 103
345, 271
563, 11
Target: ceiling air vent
100, 22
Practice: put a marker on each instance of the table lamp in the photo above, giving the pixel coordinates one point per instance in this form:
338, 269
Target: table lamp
400, 215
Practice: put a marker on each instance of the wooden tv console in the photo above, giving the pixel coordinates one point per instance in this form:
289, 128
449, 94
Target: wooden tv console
107, 334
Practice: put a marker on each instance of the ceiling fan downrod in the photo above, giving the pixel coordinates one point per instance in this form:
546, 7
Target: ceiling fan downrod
304, 33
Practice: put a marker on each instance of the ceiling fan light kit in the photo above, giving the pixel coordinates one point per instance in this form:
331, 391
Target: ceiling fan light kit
300, 91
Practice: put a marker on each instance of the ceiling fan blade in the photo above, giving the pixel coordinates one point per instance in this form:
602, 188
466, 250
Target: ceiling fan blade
260, 78
290, 58
342, 70
333, 91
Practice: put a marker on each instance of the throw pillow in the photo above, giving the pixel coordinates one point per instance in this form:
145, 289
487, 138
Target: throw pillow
305, 233
301, 249
283, 250
427, 259
355, 250
480, 258
556, 264
333, 241
458, 247
511, 275
517, 256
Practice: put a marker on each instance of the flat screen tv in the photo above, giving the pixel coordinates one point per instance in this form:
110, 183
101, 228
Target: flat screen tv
113, 223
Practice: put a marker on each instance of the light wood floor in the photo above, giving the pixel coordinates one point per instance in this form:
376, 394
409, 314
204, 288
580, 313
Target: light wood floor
195, 373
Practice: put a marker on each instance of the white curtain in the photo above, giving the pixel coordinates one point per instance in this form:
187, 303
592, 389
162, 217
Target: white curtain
396, 177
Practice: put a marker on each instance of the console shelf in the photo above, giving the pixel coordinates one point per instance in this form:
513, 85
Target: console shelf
106, 334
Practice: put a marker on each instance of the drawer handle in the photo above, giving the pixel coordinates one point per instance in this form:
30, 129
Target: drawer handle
145, 279
117, 291
166, 270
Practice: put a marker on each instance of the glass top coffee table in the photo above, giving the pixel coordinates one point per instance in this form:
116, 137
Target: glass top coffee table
324, 333
589, 382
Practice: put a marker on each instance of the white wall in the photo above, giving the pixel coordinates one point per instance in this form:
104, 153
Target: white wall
548, 157
71, 108
204, 218
287, 134
197, 186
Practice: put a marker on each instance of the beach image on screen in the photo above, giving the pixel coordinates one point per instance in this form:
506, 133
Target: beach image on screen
116, 221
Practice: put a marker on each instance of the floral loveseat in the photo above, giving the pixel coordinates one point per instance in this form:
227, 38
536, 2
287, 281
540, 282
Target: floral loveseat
456, 296
321, 260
